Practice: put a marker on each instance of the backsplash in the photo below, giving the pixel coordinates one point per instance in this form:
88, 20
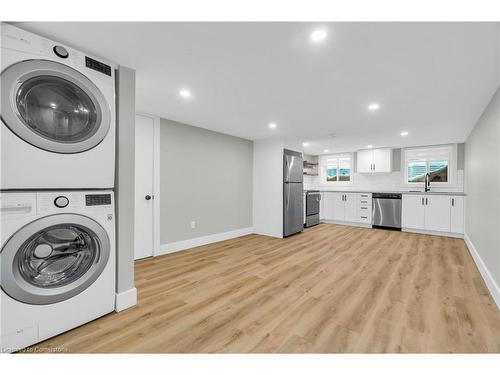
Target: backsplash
380, 182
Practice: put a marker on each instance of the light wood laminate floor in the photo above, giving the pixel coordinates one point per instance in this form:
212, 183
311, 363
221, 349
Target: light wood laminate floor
331, 289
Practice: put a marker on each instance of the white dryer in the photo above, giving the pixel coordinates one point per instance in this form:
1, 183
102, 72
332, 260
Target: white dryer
57, 263
58, 115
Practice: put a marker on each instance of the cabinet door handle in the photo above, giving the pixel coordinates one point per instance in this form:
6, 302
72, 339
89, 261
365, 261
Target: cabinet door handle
373, 166
453, 202
426, 201
422, 201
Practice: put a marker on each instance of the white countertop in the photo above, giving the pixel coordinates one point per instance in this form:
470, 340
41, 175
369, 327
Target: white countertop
326, 190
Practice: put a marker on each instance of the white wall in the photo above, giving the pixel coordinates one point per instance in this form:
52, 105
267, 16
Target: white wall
393, 181
206, 177
268, 187
482, 186
381, 182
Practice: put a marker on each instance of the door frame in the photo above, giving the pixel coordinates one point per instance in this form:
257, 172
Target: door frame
156, 181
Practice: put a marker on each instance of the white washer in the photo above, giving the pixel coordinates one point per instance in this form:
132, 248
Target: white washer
57, 263
58, 115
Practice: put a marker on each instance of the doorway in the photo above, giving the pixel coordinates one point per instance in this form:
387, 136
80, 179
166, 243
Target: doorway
147, 186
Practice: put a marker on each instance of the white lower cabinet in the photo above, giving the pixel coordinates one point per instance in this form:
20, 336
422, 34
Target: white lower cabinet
413, 212
457, 214
438, 213
338, 204
350, 207
344, 207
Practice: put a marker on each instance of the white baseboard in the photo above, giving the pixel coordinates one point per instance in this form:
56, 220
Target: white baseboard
125, 299
205, 240
488, 279
433, 232
348, 223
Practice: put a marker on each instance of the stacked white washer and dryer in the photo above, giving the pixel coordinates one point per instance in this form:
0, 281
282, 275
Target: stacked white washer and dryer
57, 257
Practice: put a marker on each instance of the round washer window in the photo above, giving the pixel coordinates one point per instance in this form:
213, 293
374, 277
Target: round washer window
56, 109
53, 258
57, 256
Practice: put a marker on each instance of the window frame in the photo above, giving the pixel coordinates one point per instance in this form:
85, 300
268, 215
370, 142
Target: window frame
428, 154
323, 163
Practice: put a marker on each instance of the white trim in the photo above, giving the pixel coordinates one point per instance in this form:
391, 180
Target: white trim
322, 169
156, 187
433, 232
349, 223
205, 240
452, 166
126, 299
488, 279
156, 181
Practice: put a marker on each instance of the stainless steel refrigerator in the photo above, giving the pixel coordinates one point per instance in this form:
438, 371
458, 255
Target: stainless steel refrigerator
293, 193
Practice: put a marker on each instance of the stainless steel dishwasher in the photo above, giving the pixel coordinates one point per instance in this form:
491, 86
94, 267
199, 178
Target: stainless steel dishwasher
386, 211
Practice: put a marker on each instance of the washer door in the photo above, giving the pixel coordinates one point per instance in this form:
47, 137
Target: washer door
53, 258
53, 107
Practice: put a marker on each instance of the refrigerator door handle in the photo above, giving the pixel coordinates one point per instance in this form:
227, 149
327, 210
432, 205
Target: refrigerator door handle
287, 197
287, 170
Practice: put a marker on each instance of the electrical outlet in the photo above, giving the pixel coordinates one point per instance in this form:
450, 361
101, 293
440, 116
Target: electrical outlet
193, 224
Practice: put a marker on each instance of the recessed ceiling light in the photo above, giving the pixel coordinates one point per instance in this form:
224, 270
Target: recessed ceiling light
325, 150
318, 35
404, 134
370, 146
185, 93
272, 125
373, 106
305, 144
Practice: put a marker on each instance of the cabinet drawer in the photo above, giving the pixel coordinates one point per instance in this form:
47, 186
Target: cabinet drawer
365, 199
364, 214
363, 218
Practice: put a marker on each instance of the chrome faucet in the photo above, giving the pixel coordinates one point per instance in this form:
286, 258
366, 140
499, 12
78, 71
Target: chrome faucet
427, 184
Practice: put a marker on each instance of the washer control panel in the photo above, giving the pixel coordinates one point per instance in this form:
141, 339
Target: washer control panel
61, 201
97, 199
58, 202
61, 52
97, 65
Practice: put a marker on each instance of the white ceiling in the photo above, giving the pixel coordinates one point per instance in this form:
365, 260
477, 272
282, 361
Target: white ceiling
430, 79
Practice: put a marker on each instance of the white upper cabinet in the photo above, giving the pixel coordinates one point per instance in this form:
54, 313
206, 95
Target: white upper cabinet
365, 161
382, 160
375, 161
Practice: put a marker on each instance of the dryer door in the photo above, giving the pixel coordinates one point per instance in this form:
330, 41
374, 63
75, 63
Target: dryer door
53, 258
53, 106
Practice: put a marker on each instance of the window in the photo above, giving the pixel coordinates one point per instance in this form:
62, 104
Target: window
433, 160
336, 169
